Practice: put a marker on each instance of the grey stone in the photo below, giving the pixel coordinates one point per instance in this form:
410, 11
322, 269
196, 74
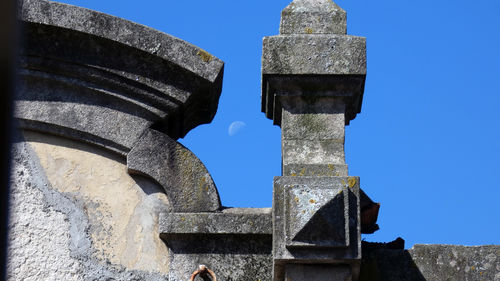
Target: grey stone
89, 66
231, 257
315, 216
445, 262
317, 170
432, 262
319, 54
316, 220
131, 34
312, 152
303, 272
312, 133
49, 235
229, 221
347, 88
313, 17
235, 243
322, 118
186, 181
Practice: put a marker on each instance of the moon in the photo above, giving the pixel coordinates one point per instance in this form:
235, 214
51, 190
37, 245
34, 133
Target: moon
235, 127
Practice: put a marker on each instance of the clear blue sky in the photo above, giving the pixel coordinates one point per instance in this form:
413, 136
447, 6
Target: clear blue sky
427, 142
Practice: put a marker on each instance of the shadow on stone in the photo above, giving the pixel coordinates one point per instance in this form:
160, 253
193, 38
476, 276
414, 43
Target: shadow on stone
389, 265
218, 244
327, 225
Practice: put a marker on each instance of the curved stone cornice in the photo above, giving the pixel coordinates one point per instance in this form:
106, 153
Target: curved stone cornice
176, 85
113, 83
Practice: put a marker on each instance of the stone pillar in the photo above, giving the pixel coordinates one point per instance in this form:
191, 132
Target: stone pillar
313, 78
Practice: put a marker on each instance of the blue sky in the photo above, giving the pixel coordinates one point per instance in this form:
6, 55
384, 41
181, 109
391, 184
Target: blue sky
427, 142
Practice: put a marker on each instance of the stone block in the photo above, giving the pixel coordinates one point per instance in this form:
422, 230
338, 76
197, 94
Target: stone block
313, 152
315, 217
235, 243
318, 54
229, 221
317, 170
432, 262
315, 220
313, 17
319, 119
347, 89
185, 179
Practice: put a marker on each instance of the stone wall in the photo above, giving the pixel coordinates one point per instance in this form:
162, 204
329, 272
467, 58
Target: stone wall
432, 263
56, 232
101, 189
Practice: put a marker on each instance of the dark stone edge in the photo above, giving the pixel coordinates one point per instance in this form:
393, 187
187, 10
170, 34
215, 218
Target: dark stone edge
106, 26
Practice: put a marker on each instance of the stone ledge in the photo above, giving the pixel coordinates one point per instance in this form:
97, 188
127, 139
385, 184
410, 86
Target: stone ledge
126, 32
244, 221
432, 262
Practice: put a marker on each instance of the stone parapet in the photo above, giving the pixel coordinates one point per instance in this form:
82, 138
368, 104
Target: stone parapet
235, 243
432, 262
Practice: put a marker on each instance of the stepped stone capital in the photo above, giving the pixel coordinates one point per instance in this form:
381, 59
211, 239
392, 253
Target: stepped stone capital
313, 17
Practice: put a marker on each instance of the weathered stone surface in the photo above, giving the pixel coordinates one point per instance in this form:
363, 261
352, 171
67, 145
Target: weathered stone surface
235, 243
229, 221
312, 152
186, 181
445, 262
56, 107
314, 54
317, 170
313, 17
432, 263
316, 216
112, 78
125, 32
312, 136
49, 231
316, 220
231, 257
322, 118
348, 88
124, 228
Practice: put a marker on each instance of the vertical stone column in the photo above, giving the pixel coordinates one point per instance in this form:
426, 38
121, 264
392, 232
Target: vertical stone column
313, 78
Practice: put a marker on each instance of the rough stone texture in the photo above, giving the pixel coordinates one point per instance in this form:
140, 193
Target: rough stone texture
432, 263
312, 133
50, 231
229, 221
235, 243
186, 181
231, 257
348, 88
317, 170
313, 66
111, 78
313, 17
444, 262
125, 32
314, 54
316, 220
122, 211
106, 81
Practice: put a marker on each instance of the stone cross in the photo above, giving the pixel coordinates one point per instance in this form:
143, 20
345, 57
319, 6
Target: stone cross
313, 77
